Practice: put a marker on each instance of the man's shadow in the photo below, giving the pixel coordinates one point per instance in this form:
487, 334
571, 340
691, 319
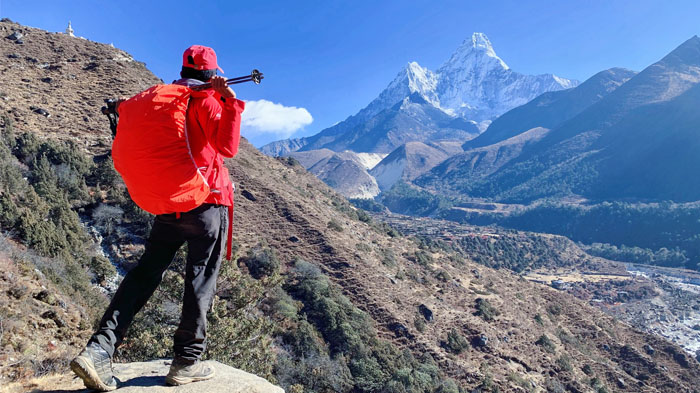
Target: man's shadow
144, 381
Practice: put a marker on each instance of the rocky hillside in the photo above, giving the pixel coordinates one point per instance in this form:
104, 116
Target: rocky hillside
49, 81
346, 304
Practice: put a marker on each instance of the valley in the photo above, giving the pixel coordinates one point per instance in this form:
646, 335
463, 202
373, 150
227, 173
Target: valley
661, 301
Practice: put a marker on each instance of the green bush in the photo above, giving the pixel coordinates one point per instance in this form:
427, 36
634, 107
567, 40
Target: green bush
485, 310
261, 262
564, 363
456, 343
102, 268
422, 258
546, 343
335, 225
331, 329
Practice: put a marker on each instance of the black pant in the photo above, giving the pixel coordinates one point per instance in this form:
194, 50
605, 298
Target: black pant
204, 230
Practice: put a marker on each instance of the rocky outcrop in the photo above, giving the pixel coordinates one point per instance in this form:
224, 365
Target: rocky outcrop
150, 377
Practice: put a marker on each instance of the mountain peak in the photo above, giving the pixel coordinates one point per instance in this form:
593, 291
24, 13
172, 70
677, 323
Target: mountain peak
686, 54
475, 51
480, 40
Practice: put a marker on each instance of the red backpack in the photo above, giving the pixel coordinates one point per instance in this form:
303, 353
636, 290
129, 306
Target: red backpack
152, 153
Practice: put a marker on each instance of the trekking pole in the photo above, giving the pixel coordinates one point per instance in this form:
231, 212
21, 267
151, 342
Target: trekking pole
110, 110
255, 76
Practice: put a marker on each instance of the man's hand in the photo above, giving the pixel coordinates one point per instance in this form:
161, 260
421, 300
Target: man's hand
218, 83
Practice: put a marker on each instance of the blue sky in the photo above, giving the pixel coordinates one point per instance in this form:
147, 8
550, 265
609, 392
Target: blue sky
328, 59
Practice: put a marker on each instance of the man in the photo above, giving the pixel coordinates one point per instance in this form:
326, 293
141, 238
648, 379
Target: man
213, 119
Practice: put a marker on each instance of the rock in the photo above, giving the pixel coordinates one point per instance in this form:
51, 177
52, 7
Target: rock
17, 291
52, 315
15, 36
149, 377
681, 359
47, 79
248, 195
480, 341
697, 355
621, 383
426, 312
293, 239
400, 330
46, 297
40, 111
649, 349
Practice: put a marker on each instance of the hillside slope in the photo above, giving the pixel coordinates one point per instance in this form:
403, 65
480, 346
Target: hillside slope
68, 78
552, 108
360, 309
647, 119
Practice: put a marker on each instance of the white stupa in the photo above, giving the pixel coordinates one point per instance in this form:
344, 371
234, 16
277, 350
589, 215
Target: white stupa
69, 30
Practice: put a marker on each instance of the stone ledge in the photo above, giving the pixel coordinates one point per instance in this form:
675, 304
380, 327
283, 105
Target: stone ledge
149, 377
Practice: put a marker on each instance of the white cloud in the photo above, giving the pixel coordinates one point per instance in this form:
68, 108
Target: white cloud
266, 117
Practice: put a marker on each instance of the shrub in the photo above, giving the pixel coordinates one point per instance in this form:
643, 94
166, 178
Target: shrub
333, 332
485, 310
102, 268
261, 262
107, 218
419, 323
587, 369
422, 258
539, 320
443, 276
335, 225
546, 343
564, 363
388, 257
555, 309
456, 343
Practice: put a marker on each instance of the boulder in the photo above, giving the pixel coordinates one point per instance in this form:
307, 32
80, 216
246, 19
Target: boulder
15, 36
149, 377
426, 312
649, 349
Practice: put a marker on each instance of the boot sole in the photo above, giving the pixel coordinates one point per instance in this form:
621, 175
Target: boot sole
85, 370
177, 381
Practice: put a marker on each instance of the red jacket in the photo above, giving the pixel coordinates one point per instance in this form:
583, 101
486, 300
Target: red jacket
214, 130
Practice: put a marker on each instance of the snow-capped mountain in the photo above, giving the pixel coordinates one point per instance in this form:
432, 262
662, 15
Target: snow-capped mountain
473, 85
478, 85
451, 105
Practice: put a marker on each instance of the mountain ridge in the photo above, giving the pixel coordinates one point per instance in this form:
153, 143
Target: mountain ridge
457, 89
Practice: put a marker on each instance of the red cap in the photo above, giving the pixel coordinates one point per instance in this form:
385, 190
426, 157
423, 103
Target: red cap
200, 58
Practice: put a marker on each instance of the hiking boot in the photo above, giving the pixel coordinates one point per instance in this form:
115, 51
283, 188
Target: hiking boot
94, 367
182, 373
